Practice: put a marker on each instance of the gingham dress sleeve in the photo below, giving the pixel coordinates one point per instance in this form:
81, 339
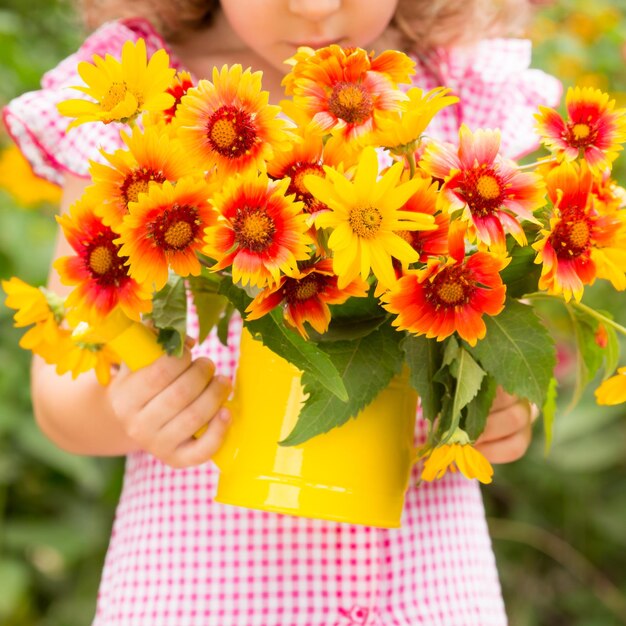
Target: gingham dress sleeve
497, 88
40, 130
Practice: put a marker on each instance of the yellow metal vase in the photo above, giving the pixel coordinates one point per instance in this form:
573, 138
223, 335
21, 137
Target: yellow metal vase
357, 473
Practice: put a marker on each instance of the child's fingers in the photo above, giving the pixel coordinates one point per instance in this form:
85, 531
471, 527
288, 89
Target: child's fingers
178, 394
202, 449
130, 391
184, 425
507, 449
506, 422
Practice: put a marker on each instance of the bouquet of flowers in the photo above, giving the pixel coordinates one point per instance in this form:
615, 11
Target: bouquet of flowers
351, 243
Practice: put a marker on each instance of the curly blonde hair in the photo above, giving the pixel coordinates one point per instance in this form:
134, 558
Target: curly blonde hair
417, 24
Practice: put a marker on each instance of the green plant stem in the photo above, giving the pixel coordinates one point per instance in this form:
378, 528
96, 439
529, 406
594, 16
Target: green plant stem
410, 158
565, 555
581, 307
534, 164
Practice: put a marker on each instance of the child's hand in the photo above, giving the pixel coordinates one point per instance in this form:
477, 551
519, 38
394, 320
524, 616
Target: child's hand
162, 405
508, 431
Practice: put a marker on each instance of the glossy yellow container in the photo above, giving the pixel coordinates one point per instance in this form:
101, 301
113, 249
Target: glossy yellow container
357, 473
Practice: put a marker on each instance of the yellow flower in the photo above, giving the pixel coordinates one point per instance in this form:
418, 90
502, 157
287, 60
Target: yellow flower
121, 89
402, 129
47, 339
82, 357
458, 451
18, 180
365, 215
30, 302
613, 390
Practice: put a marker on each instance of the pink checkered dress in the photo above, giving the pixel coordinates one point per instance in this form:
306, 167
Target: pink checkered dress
176, 557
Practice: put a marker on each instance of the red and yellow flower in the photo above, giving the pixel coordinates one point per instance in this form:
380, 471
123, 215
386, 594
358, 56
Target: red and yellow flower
229, 124
581, 243
165, 228
305, 297
121, 89
449, 296
151, 157
613, 390
459, 453
261, 230
593, 128
344, 90
492, 192
365, 216
98, 269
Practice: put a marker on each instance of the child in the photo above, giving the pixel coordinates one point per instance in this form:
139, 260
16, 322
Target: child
177, 558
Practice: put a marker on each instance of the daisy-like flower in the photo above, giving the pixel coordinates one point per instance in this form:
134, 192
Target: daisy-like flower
47, 339
121, 89
459, 453
164, 229
400, 131
229, 124
151, 157
449, 296
97, 270
492, 192
79, 357
261, 230
32, 304
343, 90
593, 128
366, 216
613, 390
427, 243
581, 243
306, 296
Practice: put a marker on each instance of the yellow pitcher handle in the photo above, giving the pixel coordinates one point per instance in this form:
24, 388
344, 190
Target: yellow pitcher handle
136, 345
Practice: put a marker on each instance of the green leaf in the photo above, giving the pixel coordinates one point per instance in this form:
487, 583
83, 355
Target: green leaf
478, 409
346, 329
169, 314
611, 352
548, 412
222, 325
468, 377
272, 332
521, 275
589, 355
366, 365
210, 304
518, 352
424, 358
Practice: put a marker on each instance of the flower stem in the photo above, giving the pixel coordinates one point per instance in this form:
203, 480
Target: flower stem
410, 157
534, 164
581, 307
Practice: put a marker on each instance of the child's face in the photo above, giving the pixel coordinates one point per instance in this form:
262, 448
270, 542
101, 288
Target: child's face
275, 28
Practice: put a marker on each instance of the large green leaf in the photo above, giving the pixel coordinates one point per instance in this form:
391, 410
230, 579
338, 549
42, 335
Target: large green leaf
169, 314
209, 303
521, 275
272, 332
468, 376
478, 409
366, 366
518, 352
424, 357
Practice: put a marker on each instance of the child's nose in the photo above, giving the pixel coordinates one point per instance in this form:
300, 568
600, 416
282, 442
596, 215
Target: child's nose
314, 9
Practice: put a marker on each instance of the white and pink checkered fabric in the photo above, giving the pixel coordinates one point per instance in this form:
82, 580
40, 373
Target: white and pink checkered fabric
176, 557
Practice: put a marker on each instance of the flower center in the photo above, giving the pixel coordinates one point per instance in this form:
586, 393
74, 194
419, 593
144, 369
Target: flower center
100, 259
450, 287
178, 235
482, 190
175, 228
571, 236
115, 95
365, 221
138, 181
488, 187
579, 134
351, 103
296, 173
254, 228
231, 132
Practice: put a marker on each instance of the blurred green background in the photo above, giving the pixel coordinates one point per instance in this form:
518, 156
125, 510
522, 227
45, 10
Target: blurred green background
558, 524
